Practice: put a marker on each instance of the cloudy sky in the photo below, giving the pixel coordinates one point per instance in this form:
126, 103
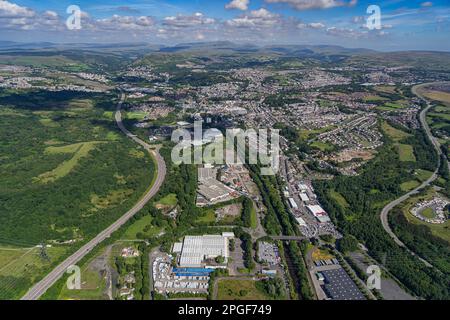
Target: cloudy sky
418, 25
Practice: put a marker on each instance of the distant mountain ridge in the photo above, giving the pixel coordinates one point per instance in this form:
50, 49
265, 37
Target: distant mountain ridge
196, 46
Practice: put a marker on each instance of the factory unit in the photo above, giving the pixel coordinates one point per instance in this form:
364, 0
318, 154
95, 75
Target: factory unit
319, 213
198, 251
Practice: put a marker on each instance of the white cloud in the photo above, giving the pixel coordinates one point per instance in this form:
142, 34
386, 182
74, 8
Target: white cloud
427, 4
12, 10
184, 21
238, 4
119, 23
15, 17
256, 18
345, 32
315, 4
317, 25
312, 25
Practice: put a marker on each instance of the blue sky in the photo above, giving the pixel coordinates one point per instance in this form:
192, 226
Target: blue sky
405, 25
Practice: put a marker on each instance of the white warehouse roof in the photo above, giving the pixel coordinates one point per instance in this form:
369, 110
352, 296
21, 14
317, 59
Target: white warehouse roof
177, 247
304, 197
319, 213
316, 210
301, 222
198, 248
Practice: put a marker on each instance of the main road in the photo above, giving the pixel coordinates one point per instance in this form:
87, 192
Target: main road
393, 204
41, 287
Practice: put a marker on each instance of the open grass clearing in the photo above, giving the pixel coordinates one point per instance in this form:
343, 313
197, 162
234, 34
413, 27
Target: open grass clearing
322, 146
336, 196
80, 150
406, 152
238, 289
208, 217
143, 226
394, 133
423, 175
409, 185
113, 199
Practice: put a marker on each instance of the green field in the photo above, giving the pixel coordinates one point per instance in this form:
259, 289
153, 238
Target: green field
423, 175
170, 200
47, 122
43, 61
9, 254
253, 219
322, 146
136, 115
374, 98
428, 213
208, 217
439, 230
392, 106
108, 115
406, 153
93, 285
19, 268
394, 133
336, 196
112, 199
435, 95
308, 134
80, 105
230, 289
409, 185
143, 226
80, 150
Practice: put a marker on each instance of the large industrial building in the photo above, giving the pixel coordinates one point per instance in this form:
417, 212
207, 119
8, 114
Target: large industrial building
339, 286
210, 190
205, 174
214, 191
319, 213
195, 251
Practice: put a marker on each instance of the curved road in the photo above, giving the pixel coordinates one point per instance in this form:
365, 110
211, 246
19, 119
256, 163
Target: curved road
41, 287
393, 204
